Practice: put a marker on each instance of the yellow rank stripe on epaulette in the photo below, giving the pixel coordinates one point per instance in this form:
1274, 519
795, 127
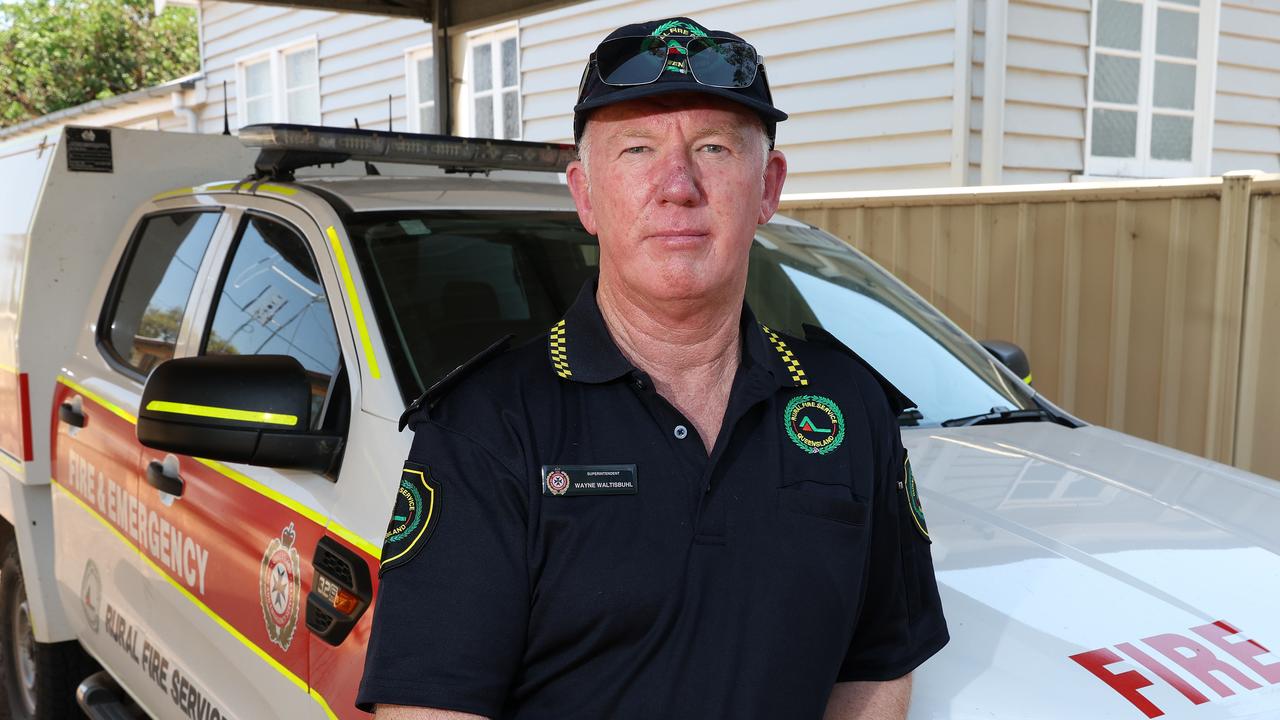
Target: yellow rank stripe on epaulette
788, 359
559, 357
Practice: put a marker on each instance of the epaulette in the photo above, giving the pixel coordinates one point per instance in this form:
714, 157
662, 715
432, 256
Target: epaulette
442, 386
897, 401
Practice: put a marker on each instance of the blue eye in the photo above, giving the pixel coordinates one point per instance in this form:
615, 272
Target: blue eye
715, 149
635, 150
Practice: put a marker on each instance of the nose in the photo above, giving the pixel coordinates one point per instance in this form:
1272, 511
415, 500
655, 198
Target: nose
679, 181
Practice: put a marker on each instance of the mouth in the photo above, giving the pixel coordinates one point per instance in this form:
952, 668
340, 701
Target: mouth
680, 236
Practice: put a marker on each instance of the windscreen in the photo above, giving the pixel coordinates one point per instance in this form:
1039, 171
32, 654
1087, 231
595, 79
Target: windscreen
445, 285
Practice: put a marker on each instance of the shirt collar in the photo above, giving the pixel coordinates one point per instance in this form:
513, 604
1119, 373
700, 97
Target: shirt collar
582, 350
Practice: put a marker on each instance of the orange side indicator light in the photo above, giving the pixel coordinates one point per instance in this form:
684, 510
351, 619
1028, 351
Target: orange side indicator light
345, 602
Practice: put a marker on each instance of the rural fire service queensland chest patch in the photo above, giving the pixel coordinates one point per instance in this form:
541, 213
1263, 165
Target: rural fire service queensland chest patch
280, 587
413, 519
814, 423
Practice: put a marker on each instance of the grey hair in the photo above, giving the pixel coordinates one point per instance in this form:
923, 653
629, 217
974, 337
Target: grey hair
766, 144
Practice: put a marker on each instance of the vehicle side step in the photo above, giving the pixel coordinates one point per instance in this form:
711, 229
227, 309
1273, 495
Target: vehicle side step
102, 699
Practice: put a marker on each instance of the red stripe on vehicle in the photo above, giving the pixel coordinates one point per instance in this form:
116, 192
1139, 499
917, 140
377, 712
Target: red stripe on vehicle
25, 398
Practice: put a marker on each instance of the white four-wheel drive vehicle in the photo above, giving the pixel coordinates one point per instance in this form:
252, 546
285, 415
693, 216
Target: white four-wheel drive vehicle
267, 333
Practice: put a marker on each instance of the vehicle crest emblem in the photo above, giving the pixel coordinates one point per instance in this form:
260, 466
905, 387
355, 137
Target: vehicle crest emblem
557, 481
280, 587
91, 594
814, 423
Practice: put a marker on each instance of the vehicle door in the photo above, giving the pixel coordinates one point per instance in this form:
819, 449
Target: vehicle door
108, 526
242, 636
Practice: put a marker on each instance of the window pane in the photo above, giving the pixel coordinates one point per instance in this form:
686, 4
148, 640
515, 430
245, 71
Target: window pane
304, 106
1175, 86
482, 67
444, 284
1119, 24
257, 79
1170, 137
1193, 3
427, 118
1176, 33
153, 293
1115, 79
272, 303
257, 111
509, 62
510, 116
426, 80
455, 281
1115, 133
484, 116
300, 68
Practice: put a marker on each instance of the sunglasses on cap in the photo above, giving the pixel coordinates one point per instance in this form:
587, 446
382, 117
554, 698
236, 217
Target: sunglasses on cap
641, 59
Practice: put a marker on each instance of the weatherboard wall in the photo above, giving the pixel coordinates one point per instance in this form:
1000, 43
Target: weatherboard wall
1246, 129
362, 59
868, 83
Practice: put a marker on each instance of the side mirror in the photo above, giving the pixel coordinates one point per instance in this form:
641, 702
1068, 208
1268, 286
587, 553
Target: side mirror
253, 409
1012, 356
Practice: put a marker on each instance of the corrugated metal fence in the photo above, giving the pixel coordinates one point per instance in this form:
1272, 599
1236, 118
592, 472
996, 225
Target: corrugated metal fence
1148, 307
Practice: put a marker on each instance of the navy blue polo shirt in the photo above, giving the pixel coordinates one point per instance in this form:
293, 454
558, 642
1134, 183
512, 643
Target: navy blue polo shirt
565, 547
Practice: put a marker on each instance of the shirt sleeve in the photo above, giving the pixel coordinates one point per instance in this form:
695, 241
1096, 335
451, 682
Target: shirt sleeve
450, 619
901, 622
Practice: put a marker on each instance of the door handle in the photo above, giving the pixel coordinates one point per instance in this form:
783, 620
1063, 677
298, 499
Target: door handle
71, 416
158, 479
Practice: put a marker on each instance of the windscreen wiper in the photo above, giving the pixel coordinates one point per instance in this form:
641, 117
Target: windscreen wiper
999, 416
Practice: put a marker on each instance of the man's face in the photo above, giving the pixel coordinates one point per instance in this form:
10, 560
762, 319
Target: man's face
677, 186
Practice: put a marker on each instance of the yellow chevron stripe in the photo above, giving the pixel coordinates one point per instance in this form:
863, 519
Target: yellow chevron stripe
350, 285
222, 413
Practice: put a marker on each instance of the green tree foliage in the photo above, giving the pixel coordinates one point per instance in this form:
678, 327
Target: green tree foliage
56, 54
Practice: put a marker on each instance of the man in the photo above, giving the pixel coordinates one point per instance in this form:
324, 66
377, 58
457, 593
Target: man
660, 509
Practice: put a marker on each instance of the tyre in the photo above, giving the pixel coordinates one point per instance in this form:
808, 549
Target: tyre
37, 680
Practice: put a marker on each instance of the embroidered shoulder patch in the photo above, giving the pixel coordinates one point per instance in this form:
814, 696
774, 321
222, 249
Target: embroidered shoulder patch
908, 485
414, 517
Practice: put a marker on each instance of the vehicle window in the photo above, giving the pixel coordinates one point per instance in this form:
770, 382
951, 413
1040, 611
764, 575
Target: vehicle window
446, 285
151, 292
271, 302
803, 275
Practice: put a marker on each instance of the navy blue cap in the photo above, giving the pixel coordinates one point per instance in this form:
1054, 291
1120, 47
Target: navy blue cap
594, 93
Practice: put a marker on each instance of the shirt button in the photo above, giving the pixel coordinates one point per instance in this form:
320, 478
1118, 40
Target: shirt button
681, 432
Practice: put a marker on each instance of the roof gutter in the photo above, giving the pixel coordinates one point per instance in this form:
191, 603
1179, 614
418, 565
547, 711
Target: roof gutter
70, 114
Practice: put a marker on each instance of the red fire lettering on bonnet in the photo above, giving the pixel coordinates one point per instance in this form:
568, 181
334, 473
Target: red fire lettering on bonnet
1127, 683
1201, 663
1164, 673
1244, 649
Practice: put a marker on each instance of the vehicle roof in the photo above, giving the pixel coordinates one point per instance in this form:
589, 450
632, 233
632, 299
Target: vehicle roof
501, 190
421, 187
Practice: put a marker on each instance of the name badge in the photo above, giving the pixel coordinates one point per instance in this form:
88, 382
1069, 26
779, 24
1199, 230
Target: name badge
589, 480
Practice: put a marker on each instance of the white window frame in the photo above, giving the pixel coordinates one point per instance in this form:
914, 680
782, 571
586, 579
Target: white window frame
492, 36
1142, 165
412, 57
279, 92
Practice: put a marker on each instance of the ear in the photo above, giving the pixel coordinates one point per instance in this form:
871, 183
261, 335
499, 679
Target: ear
775, 173
576, 176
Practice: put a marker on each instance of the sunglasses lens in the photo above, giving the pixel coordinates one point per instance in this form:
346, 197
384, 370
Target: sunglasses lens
631, 60
722, 63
